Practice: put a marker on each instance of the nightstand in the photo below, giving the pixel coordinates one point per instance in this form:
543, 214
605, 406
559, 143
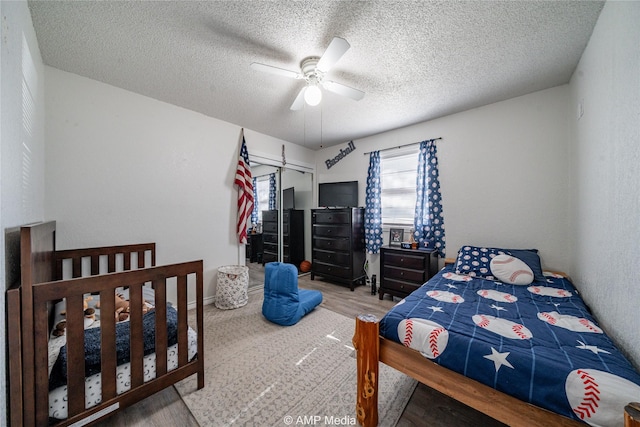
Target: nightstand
403, 271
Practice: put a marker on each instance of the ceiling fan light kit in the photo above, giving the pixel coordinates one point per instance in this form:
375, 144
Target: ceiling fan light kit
313, 95
313, 70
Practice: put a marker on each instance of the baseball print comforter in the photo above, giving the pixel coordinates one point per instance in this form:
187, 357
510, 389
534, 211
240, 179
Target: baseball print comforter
536, 342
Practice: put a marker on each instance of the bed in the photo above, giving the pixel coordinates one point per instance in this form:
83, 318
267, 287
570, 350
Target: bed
101, 362
525, 354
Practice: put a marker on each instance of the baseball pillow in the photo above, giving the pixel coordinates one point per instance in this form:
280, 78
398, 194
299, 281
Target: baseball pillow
474, 261
511, 270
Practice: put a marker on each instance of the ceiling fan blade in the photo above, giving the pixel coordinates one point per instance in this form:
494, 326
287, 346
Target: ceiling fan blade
334, 52
298, 103
343, 90
275, 70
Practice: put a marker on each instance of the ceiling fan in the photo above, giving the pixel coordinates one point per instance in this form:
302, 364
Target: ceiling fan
313, 71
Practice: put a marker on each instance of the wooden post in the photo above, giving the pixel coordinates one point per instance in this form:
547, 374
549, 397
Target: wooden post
367, 345
632, 415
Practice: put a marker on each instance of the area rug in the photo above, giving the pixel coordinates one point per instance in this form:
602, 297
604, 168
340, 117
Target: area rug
261, 374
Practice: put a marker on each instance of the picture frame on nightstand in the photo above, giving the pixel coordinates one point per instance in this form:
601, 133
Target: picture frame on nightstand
396, 235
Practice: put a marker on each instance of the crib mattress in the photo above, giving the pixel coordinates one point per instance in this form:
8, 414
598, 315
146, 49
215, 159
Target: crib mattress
58, 405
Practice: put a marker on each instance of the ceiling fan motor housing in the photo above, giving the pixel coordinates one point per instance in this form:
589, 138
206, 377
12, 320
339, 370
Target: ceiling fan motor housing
311, 74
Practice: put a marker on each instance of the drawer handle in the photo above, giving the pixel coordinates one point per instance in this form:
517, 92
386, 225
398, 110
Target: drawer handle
401, 259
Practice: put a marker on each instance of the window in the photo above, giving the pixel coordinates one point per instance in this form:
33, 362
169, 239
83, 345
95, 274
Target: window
262, 190
398, 173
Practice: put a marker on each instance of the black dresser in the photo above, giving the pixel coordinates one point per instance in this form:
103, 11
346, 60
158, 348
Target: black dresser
254, 247
338, 251
269, 236
402, 271
292, 236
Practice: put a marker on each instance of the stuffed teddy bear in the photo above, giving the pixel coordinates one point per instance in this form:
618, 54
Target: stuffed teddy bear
89, 316
122, 308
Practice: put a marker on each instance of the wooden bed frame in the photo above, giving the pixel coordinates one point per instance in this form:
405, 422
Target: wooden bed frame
372, 348
29, 306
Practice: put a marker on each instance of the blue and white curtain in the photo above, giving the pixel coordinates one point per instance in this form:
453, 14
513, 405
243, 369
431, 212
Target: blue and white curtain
429, 221
272, 192
373, 206
254, 212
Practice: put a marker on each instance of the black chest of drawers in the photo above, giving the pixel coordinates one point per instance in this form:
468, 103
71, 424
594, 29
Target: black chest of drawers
269, 236
292, 236
403, 271
338, 245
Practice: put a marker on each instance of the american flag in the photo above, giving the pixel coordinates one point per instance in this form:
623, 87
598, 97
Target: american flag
245, 192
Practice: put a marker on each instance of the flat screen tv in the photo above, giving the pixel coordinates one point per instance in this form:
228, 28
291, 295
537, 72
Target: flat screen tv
288, 198
338, 194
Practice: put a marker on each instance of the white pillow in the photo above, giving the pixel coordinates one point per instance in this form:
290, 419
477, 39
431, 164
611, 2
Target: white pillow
511, 270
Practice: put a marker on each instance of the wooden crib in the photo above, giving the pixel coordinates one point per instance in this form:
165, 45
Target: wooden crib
29, 323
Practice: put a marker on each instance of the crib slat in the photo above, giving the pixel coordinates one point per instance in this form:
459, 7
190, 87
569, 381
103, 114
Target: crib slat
200, 324
75, 354
108, 345
77, 267
95, 265
127, 261
140, 259
14, 341
41, 357
111, 263
161, 327
58, 271
137, 343
183, 356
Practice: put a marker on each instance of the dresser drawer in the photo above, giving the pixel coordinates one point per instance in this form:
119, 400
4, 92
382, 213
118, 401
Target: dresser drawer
269, 227
270, 238
331, 230
331, 217
414, 276
332, 270
269, 257
339, 244
400, 286
270, 216
416, 262
329, 257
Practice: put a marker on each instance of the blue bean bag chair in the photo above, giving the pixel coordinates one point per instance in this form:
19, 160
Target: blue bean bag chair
284, 303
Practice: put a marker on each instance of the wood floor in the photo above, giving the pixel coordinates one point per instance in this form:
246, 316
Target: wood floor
427, 407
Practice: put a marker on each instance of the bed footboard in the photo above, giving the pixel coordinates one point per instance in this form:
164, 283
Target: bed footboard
370, 348
366, 343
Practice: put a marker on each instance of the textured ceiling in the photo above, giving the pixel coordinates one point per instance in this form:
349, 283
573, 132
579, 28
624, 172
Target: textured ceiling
416, 60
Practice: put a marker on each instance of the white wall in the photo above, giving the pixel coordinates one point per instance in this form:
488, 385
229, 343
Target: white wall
503, 173
124, 168
21, 149
605, 173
